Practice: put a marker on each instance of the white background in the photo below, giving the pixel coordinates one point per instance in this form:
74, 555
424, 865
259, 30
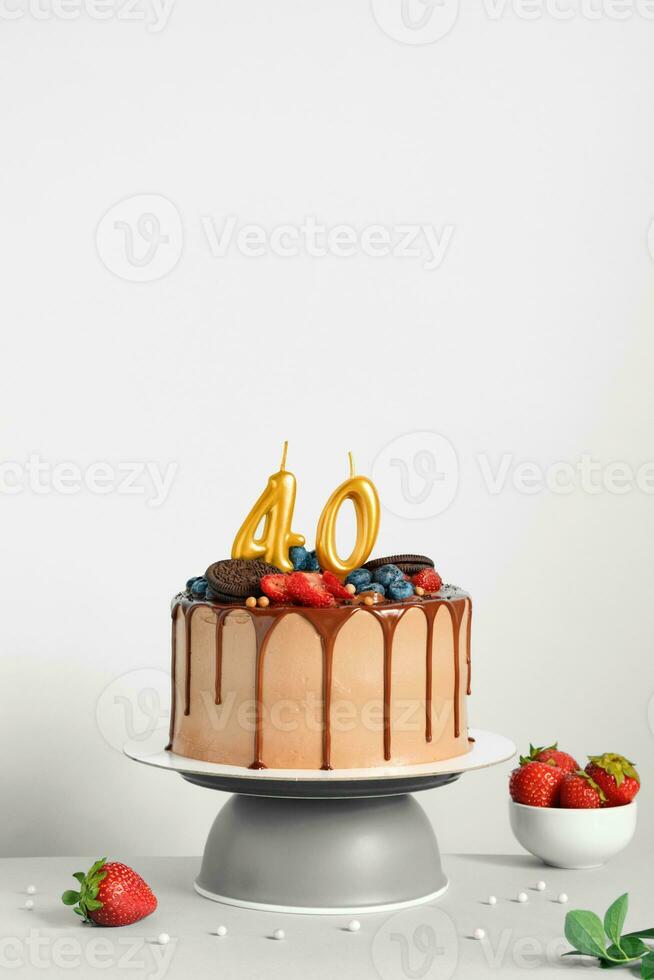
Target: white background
533, 140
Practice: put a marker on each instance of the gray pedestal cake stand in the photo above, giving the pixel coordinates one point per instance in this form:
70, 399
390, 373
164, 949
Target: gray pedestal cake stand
344, 841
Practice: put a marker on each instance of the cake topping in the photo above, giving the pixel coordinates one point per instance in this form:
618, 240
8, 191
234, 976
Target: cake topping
276, 588
303, 560
400, 589
408, 564
360, 578
234, 579
308, 589
334, 586
428, 579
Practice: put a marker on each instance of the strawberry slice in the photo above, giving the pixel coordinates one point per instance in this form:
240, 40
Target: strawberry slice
334, 586
428, 579
276, 588
308, 589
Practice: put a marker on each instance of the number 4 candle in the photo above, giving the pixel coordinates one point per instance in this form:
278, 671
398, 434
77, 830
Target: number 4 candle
275, 507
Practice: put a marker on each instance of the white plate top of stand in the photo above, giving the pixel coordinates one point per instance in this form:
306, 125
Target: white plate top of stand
488, 749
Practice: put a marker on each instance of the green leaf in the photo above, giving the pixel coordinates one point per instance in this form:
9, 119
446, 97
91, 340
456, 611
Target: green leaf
80, 876
70, 897
640, 934
584, 931
614, 918
633, 947
92, 903
79, 912
647, 967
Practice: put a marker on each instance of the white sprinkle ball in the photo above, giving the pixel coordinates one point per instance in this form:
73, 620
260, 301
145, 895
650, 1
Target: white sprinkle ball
279, 934
29, 904
354, 925
221, 931
163, 938
31, 890
540, 886
479, 934
492, 900
523, 897
563, 898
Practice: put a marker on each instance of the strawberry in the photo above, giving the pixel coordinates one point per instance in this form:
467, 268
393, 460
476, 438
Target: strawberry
553, 756
334, 586
536, 784
111, 894
276, 588
308, 589
616, 776
580, 792
428, 579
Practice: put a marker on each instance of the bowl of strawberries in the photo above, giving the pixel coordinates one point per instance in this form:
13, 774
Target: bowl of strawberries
571, 817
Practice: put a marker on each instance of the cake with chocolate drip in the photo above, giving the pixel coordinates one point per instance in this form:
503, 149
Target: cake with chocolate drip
283, 658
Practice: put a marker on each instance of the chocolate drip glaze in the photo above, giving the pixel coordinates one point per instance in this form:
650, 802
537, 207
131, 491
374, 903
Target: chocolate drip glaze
327, 624
468, 660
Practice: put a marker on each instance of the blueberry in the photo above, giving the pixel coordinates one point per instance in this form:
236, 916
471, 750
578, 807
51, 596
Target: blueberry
298, 556
311, 564
401, 589
199, 587
387, 574
375, 587
360, 578
189, 584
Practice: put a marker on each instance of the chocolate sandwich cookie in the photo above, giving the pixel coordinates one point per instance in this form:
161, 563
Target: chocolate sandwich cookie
232, 580
409, 564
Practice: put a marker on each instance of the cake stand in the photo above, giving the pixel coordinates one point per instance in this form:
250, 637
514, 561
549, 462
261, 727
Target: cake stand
344, 841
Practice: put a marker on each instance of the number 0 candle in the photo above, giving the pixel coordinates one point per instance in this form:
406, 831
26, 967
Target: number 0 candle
361, 491
275, 507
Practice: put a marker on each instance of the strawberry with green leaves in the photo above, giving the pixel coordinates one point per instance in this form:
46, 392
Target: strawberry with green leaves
552, 755
536, 784
111, 894
616, 777
580, 792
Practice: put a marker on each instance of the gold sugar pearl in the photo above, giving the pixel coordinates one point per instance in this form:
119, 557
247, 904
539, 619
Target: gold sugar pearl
368, 600
263, 601
250, 602
350, 588
419, 590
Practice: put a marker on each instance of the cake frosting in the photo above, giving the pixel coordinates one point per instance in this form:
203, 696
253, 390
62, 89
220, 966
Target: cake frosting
299, 688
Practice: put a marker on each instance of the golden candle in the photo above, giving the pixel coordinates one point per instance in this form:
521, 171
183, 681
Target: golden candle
361, 491
275, 507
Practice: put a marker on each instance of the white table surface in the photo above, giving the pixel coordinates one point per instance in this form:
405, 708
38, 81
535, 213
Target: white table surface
432, 941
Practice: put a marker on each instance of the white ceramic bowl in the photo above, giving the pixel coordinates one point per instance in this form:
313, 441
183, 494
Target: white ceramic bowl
573, 838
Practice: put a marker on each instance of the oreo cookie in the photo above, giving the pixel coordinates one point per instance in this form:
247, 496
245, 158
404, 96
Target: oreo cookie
408, 564
232, 580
